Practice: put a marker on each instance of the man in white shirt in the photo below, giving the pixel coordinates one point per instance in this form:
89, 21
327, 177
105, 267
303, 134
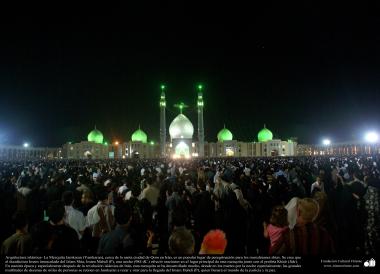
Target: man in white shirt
73, 217
151, 193
101, 216
318, 185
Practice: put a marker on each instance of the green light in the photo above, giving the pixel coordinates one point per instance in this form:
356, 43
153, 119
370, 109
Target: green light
105, 143
163, 87
200, 87
265, 135
152, 143
139, 136
181, 106
95, 136
224, 135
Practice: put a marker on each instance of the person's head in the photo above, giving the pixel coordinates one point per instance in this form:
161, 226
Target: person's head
201, 185
102, 194
136, 190
68, 198
307, 210
56, 212
214, 242
86, 197
20, 221
279, 216
149, 180
227, 175
181, 242
177, 187
123, 214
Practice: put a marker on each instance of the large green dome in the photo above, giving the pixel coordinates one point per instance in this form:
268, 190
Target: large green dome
264, 135
95, 136
139, 136
224, 135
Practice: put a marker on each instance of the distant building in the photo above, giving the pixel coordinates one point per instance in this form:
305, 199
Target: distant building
266, 146
20, 153
343, 149
93, 148
182, 143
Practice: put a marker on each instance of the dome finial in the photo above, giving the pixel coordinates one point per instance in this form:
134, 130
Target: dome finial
95, 126
265, 126
224, 125
181, 106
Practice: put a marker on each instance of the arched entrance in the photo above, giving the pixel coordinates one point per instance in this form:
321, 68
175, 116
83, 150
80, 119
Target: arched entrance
182, 150
274, 152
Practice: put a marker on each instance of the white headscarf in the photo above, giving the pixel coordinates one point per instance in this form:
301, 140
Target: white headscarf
291, 207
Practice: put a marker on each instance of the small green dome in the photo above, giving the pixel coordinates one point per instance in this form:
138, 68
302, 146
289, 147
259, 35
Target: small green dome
264, 135
95, 136
224, 135
139, 136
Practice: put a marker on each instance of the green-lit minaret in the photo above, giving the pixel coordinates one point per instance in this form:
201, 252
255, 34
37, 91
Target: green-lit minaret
201, 132
163, 122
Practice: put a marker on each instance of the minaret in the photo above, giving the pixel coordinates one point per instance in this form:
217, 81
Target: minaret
163, 122
201, 132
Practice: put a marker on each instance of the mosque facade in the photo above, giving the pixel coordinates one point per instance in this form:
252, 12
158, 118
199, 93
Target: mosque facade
181, 143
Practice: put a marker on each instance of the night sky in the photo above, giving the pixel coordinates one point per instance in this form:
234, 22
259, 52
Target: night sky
310, 71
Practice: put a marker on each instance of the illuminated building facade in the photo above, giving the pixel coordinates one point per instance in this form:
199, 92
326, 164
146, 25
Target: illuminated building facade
20, 153
342, 149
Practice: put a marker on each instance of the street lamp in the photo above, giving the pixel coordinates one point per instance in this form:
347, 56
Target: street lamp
26, 145
371, 137
326, 142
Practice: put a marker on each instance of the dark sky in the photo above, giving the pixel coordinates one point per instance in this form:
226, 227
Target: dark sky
308, 71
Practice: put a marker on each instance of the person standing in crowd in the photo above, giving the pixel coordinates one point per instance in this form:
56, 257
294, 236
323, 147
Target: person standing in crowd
181, 242
20, 243
317, 185
119, 240
278, 225
64, 240
203, 212
73, 217
150, 192
100, 218
307, 238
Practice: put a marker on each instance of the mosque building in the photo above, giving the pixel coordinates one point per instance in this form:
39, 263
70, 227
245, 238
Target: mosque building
182, 143
92, 148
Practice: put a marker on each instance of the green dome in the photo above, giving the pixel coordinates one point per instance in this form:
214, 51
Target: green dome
224, 135
264, 135
95, 136
139, 136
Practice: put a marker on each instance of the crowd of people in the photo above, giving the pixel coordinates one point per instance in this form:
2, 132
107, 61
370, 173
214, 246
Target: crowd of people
232, 206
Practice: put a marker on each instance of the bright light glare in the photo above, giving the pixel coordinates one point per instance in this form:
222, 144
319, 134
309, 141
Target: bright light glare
326, 142
26, 145
371, 137
116, 143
